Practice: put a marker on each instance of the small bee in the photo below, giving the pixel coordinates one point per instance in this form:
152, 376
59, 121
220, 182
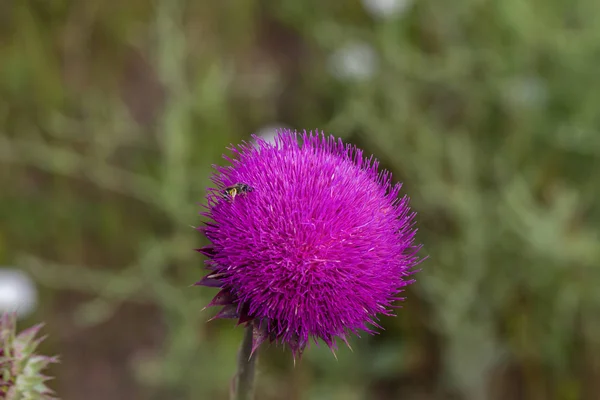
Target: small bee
230, 192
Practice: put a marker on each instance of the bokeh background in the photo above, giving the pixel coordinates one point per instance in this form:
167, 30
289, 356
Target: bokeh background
112, 112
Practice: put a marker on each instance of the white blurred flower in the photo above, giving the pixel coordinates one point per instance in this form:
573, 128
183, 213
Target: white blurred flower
355, 61
526, 91
386, 8
268, 132
17, 292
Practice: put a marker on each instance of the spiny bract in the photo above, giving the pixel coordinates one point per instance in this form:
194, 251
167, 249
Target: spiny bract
318, 248
20, 369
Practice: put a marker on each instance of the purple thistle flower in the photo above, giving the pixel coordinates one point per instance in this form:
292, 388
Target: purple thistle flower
313, 242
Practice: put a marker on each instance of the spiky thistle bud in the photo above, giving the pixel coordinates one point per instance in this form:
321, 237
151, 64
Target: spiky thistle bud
21, 369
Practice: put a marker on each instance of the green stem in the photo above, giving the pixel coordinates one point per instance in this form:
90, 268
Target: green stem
244, 379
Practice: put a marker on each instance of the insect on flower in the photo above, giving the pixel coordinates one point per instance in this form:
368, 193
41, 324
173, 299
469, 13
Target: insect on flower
230, 192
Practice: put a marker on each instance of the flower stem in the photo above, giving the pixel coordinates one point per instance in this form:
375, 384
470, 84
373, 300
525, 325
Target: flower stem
244, 379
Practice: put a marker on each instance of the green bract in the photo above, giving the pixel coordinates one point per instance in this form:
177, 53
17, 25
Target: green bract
21, 369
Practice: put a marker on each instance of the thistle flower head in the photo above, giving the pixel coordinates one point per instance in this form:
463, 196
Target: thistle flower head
309, 239
20, 369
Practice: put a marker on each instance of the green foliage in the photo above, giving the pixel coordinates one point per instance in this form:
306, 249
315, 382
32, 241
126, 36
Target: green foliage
111, 115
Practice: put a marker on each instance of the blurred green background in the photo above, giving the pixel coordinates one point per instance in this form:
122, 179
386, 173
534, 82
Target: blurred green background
111, 114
